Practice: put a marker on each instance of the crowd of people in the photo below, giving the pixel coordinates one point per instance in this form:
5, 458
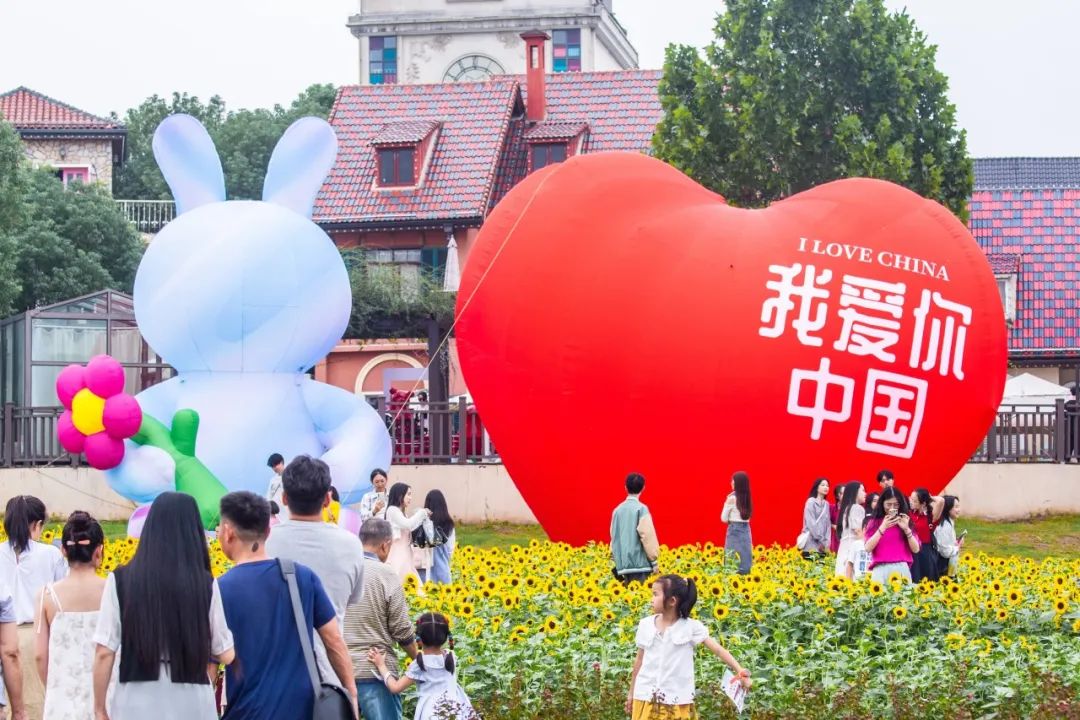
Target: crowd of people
161, 637
882, 533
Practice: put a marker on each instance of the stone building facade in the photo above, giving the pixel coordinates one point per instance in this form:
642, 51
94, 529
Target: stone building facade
437, 41
80, 146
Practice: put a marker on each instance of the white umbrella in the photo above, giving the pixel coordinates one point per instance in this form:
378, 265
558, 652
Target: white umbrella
452, 277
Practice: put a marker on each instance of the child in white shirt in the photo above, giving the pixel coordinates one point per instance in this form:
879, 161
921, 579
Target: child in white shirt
662, 683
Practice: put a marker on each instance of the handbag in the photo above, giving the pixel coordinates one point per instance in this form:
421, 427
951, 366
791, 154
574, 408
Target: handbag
802, 540
331, 702
428, 535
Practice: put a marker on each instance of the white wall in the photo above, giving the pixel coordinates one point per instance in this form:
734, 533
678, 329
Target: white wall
485, 493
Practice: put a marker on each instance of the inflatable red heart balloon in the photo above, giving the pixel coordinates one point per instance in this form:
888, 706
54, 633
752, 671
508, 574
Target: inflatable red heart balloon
616, 317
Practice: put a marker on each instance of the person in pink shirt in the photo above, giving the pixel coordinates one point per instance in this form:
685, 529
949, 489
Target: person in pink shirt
890, 539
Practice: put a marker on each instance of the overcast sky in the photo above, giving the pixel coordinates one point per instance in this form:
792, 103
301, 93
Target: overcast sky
1014, 68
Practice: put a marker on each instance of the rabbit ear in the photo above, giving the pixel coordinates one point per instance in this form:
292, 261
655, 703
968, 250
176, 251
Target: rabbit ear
301, 161
189, 161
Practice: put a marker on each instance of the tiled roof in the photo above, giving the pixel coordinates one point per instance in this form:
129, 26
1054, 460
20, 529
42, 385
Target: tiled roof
410, 131
457, 183
622, 107
30, 110
481, 151
1040, 231
1019, 173
1004, 263
555, 131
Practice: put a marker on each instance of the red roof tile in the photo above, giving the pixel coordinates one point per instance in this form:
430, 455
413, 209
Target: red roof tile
30, 110
622, 107
398, 133
1004, 263
555, 131
1037, 232
481, 150
458, 180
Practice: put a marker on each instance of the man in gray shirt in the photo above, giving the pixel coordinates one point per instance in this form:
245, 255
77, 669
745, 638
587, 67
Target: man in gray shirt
334, 554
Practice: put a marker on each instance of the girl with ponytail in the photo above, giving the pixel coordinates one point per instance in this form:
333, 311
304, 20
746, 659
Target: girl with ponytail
438, 693
662, 682
67, 617
27, 566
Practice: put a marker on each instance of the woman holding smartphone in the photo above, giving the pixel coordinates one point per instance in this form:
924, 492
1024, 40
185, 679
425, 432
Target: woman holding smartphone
890, 540
948, 545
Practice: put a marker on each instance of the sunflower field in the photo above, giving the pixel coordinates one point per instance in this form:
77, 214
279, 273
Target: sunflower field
544, 631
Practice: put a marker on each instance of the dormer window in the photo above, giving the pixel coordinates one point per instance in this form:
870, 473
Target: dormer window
403, 152
544, 154
1007, 289
397, 166
552, 142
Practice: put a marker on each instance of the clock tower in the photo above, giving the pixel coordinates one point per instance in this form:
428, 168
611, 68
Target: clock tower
433, 41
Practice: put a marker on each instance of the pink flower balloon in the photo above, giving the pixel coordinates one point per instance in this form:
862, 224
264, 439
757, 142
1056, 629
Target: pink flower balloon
71, 380
70, 438
122, 416
104, 376
103, 452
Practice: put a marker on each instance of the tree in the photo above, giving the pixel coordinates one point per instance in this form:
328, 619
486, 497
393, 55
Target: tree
12, 180
139, 177
71, 241
244, 140
794, 93
388, 304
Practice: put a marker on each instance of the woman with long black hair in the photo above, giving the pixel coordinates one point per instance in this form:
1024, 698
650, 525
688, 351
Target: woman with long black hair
816, 527
398, 505
443, 525
925, 512
849, 528
736, 513
164, 610
27, 566
889, 538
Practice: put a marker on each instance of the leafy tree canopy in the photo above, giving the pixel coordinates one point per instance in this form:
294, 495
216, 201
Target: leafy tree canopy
795, 93
244, 139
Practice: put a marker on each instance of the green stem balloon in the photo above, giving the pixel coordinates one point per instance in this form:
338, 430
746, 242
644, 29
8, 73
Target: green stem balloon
192, 477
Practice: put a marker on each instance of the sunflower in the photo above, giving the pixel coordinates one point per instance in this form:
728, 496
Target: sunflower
551, 625
721, 611
876, 588
1061, 606
1002, 615
1015, 596
899, 612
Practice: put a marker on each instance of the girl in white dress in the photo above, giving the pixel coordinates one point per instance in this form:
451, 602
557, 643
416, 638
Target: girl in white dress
662, 681
401, 555
66, 621
439, 697
849, 528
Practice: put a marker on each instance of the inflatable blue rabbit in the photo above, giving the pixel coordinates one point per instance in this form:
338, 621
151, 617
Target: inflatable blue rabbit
242, 298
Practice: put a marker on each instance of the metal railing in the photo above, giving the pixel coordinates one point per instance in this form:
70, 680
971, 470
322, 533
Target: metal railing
148, 216
28, 437
452, 432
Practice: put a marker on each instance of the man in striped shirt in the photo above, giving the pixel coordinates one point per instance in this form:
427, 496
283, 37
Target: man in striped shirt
381, 619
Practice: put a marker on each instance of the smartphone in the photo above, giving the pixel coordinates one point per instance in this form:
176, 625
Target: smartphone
962, 534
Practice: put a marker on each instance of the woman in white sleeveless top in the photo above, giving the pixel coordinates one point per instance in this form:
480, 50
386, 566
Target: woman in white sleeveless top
66, 620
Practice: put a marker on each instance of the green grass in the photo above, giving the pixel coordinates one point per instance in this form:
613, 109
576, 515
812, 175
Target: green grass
1057, 535
498, 535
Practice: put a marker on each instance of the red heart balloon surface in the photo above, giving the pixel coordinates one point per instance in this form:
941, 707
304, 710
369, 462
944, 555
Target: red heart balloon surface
615, 317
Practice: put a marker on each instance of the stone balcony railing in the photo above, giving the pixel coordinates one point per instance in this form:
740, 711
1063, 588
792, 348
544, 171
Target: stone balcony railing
148, 216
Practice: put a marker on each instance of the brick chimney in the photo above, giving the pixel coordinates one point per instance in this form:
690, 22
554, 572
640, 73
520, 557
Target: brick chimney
535, 74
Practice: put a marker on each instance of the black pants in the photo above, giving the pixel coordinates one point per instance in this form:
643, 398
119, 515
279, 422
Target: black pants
634, 577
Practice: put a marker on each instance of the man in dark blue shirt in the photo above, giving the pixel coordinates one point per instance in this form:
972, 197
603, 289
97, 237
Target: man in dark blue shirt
269, 680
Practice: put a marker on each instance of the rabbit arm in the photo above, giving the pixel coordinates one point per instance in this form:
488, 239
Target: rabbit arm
147, 471
353, 434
